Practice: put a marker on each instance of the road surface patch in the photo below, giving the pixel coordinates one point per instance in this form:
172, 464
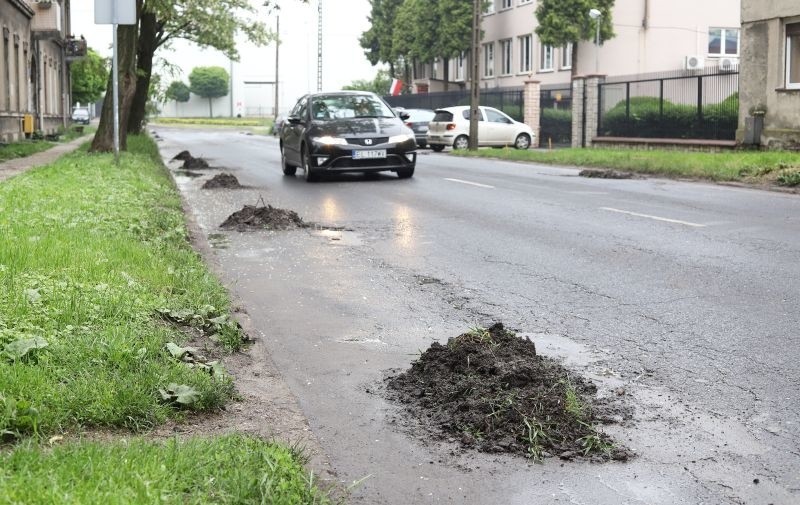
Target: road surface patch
470, 183
656, 218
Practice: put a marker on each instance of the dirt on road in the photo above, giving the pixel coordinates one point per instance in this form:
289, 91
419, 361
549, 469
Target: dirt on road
222, 181
266, 217
490, 390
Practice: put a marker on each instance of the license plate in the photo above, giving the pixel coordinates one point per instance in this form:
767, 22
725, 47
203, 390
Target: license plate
369, 155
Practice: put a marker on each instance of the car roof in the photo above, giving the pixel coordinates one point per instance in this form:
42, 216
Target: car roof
342, 93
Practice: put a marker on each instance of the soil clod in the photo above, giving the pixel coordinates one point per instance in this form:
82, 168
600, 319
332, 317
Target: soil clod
224, 181
195, 163
489, 389
183, 155
267, 217
606, 174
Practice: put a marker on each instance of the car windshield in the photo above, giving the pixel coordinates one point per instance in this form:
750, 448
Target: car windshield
324, 107
80, 113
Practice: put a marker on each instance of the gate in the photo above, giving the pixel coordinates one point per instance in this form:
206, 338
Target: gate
555, 101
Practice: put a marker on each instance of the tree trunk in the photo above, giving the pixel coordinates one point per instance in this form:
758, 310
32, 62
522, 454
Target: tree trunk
148, 38
210, 108
126, 49
574, 69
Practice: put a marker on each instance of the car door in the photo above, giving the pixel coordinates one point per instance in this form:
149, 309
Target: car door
293, 130
501, 128
483, 132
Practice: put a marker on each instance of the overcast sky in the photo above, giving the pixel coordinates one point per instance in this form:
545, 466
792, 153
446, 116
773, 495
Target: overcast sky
343, 58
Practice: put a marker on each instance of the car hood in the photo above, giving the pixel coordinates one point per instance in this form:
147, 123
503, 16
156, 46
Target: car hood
358, 127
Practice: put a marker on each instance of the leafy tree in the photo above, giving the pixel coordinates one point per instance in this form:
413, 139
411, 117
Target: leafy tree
209, 82
454, 32
89, 76
378, 40
178, 91
562, 22
379, 85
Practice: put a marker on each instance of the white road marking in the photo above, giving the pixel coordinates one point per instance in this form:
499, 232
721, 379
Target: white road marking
470, 183
677, 221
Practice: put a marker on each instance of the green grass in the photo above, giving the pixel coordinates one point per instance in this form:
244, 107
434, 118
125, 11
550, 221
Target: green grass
748, 166
88, 253
234, 469
23, 149
213, 121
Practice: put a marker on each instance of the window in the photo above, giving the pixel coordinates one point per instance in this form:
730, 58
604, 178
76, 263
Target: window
566, 56
460, 66
488, 59
489, 7
546, 57
466, 114
506, 4
6, 71
723, 41
521, 2
525, 54
793, 56
495, 116
435, 69
505, 55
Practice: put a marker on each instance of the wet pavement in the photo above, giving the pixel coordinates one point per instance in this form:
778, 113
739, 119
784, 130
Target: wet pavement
683, 296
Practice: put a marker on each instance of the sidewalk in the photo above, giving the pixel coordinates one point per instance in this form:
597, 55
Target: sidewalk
16, 166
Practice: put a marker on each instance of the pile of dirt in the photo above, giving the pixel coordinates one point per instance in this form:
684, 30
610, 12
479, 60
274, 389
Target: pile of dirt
488, 389
224, 180
263, 218
606, 174
189, 161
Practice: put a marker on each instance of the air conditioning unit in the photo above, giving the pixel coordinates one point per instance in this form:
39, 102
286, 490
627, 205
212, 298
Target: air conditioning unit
694, 62
728, 64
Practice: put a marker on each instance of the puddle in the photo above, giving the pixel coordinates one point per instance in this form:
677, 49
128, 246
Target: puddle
339, 236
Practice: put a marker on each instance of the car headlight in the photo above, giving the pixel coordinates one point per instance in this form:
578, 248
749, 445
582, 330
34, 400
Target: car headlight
329, 141
397, 139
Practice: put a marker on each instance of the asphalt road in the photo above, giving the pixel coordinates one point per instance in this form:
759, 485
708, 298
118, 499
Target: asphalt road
685, 295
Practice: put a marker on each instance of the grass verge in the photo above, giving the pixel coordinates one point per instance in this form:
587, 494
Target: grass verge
25, 148
97, 285
778, 167
214, 121
231, 469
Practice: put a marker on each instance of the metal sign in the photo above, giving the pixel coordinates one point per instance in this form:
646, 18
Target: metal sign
115, 12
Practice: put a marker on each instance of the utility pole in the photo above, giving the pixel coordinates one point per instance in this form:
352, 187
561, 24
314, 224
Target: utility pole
319, 45
277, 52
475, 80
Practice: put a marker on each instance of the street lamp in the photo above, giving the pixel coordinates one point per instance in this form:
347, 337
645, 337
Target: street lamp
596, 15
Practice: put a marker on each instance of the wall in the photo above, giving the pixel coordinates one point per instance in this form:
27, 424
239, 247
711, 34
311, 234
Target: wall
15, 89
763, 72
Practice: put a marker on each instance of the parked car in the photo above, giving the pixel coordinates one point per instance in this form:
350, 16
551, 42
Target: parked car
450, 127
418, 122
346, 131
80, 115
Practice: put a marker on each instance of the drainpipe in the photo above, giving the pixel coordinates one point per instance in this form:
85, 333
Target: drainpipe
646, 18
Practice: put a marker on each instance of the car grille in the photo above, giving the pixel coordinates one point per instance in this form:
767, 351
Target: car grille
345, 162
361, 141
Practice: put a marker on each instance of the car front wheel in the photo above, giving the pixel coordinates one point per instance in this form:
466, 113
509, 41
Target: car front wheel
310, 175
287, 169
461, 142
523, 141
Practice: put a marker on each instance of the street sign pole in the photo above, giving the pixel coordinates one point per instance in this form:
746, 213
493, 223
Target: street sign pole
115, 71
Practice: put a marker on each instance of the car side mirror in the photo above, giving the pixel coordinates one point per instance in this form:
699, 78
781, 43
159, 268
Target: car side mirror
294, 119
404, 115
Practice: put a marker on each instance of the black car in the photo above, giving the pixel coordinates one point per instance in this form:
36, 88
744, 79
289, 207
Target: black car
347, 131
418, 121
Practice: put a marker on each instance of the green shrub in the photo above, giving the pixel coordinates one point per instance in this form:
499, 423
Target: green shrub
556, 126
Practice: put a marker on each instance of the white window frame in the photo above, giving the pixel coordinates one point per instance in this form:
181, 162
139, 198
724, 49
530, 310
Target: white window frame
545, 58
523, 2
525, 53
722, 42
566, 57
789, 84
489, 8
506, 4
488, 60
506, 57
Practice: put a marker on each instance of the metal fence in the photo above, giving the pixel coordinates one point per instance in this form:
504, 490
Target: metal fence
686, 105
556, 117
508, 100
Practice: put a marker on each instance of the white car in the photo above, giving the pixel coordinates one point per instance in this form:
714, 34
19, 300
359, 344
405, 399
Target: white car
450, 127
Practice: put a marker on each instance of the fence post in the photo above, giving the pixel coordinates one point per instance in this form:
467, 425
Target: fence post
592, 109
532, 114
578, 110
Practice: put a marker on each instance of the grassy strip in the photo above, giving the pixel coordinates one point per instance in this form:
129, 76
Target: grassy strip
231, 469
213, 121
23, 149
749, 166
88, 253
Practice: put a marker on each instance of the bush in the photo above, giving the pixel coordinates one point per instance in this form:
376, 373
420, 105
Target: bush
556, 125
648, 120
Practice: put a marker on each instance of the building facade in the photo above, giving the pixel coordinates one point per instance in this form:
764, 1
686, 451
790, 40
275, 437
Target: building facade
34, 76
770, 74
651, 36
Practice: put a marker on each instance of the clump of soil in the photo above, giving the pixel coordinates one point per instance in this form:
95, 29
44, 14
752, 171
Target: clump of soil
488, 389
266, 217
606, 174
189, 161
224, 180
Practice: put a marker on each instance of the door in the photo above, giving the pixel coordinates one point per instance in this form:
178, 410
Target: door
501, 128
293, 132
